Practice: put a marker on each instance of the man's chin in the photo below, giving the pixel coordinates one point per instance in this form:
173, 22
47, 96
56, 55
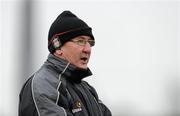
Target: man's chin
83, 66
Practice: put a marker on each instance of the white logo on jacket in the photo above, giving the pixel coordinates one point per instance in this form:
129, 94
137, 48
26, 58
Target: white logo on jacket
76, 110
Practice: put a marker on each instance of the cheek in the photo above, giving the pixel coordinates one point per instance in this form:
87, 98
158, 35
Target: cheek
73, 55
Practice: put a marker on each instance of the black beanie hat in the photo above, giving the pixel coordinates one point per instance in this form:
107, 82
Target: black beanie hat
66, 27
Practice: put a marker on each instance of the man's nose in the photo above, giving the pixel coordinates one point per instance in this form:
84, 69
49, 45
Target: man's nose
87, 48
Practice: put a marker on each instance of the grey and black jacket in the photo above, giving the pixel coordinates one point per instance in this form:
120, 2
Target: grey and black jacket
57, 89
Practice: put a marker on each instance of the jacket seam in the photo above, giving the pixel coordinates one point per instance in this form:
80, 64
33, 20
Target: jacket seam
60, 81
32, 91
59, 86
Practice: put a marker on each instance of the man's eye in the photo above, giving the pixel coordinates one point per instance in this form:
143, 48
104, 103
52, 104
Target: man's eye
81, 41
91, 42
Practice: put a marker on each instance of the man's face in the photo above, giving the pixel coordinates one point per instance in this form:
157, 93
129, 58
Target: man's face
77, 51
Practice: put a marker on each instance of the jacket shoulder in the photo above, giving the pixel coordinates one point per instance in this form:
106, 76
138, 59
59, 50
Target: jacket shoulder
45, 83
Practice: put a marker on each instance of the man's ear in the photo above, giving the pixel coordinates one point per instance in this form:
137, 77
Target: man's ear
58, 52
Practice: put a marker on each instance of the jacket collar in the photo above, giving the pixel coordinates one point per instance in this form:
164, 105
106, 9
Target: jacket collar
71, 72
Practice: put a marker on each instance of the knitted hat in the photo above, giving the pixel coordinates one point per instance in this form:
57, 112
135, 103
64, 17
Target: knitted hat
66, 27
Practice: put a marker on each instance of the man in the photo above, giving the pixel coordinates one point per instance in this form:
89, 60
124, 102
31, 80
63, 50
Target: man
57, 88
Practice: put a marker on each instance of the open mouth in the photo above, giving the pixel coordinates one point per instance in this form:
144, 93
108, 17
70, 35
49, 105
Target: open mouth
84, 59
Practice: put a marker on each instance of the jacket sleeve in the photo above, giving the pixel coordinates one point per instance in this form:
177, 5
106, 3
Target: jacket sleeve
39, 98
104, 108
26, 106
